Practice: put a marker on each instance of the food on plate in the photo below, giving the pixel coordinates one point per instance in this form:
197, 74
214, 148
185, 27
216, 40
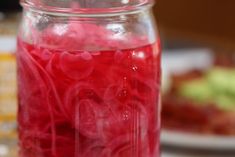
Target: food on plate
202, 101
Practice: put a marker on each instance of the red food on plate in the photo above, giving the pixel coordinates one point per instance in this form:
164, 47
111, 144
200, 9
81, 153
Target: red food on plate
201, 101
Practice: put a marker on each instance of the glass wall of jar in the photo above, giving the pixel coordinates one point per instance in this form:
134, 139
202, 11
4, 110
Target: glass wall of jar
89, 79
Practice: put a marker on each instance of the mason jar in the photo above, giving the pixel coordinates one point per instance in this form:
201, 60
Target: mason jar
88, 79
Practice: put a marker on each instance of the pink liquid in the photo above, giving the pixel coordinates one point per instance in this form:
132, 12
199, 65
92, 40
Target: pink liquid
88, 104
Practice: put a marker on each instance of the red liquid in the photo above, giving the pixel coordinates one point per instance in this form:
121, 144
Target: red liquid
88, 104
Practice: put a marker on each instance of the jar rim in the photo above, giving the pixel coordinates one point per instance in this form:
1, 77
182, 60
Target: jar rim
86, 11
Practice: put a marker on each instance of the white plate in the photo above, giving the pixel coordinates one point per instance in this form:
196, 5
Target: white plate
205, 142
186, 59
177, 62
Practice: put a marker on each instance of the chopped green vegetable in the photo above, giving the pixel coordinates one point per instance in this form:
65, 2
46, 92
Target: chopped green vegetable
222, 80
197, 90
225, 102
217, 87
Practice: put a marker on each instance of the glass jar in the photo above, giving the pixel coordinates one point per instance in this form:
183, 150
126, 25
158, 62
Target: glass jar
88, 79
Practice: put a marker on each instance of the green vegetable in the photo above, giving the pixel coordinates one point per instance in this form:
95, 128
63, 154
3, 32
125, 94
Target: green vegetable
222, 80
225, 102
217, 87
197, 90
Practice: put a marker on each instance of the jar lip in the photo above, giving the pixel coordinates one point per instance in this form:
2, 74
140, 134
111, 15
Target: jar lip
85, 11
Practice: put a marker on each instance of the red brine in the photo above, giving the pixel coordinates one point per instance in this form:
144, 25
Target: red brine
88, 103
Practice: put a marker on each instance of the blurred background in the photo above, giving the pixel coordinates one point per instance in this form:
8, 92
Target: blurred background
198, 41
207, 22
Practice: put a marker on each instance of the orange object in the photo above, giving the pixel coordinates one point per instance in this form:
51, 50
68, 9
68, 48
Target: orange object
8, 101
